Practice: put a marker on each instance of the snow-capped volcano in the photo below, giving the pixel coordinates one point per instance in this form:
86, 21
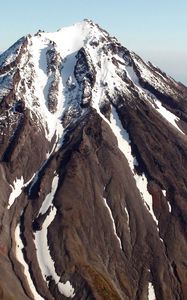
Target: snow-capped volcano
76, 66
93, 170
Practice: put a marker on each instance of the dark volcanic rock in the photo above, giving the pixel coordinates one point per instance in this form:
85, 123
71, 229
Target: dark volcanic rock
93, 162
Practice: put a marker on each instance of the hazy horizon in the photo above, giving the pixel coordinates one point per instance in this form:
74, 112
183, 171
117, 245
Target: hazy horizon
156, 32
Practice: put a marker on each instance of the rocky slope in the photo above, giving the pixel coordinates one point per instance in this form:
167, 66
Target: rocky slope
93, 178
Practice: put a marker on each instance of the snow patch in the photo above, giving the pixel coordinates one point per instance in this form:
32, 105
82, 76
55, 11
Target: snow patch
164, 193
169, 206
161, 240
16, 191
20, 258
151, 292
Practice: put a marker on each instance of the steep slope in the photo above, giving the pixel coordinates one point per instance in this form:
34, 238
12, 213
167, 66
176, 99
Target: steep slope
93, 162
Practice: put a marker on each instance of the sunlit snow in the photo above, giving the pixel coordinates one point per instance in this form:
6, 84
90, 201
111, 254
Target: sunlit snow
16, 190
170, 117
128, 218
45, 261
164, 193
125, 147
169, 206
113, 222
48, 199
151, 292
122, 137
20, 258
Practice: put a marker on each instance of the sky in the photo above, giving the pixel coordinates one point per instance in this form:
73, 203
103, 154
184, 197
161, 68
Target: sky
156, 30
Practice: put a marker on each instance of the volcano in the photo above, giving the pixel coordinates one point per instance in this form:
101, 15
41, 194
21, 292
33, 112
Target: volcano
93, 171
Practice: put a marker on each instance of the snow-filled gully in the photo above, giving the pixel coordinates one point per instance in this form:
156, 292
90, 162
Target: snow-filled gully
113, 222
166, 114
42, 84
45, 261
124, 145
20, 258
151, 292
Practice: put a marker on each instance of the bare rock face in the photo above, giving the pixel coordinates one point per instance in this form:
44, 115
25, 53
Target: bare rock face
93, 162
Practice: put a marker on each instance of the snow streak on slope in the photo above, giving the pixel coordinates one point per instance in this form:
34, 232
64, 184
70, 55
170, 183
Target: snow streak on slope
151, 292
171, 118
141, 182
45, 261
48, 199
128, 218
125, 147
122, 137
166, 114
169, 206
147, 74
113, 222
20, 258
